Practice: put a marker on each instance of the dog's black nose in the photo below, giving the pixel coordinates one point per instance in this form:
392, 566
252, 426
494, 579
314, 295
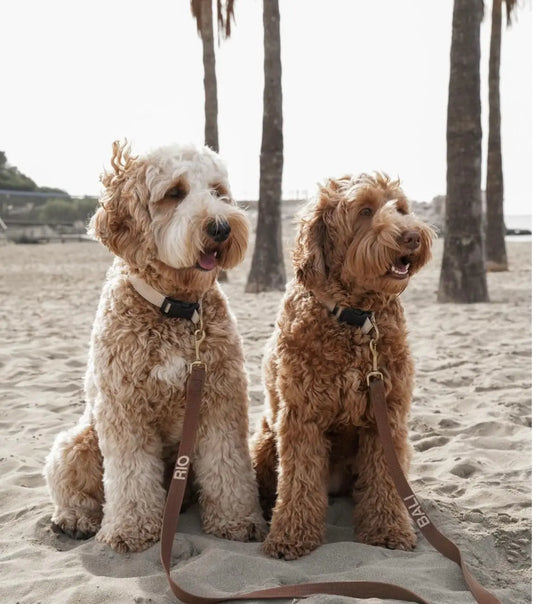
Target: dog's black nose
218, 230
411, 239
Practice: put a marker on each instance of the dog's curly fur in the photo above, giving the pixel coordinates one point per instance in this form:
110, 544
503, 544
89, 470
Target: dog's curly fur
357, 246
108, 474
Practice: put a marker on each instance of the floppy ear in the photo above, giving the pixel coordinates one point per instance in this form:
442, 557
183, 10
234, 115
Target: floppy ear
115, 223
309, 259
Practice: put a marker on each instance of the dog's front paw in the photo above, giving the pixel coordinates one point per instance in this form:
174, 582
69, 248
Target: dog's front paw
132, 537
288, 550
76, 524
251, 529
394, 537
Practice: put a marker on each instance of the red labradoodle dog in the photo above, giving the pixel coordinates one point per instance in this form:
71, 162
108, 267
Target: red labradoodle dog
172, 224
356, 249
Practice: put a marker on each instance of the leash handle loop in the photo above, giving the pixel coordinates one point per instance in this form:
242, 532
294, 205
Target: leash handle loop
359, 589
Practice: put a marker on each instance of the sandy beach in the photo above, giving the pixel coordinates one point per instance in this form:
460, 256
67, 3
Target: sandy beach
470, 430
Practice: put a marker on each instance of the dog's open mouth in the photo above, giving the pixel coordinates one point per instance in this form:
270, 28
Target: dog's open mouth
399, 269
208, 260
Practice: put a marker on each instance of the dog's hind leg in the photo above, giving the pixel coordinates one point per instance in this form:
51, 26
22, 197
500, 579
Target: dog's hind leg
73, 472
265, 463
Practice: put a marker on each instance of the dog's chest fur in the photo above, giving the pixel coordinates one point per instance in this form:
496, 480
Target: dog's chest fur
336, 358
137, 350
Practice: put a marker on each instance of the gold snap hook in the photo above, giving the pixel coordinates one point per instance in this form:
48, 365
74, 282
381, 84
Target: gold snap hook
375, 373
199, 337
374, 351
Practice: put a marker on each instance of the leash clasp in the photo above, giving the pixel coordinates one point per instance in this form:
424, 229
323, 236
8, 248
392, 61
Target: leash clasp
199, 337
375, 373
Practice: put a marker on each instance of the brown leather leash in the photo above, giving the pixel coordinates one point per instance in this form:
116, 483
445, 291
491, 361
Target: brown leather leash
357, 589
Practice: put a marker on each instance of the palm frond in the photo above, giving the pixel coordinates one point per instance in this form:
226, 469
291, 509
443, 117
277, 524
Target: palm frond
196, 11
510, 9
225, 14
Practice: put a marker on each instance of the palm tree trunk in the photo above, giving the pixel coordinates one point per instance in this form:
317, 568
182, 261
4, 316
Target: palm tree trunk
268, 270
495, 233
210, 77
462, 277
210, 85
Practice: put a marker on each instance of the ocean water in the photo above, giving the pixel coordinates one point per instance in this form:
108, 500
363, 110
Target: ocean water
518, 221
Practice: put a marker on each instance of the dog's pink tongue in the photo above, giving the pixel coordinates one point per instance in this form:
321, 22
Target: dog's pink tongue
208, 261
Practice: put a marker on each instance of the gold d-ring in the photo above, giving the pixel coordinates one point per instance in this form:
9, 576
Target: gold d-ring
373, 374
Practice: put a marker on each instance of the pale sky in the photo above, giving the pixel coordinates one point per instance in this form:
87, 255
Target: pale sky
364, 84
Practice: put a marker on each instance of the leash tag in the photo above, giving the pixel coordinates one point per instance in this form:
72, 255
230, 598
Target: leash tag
416, 512
181, 469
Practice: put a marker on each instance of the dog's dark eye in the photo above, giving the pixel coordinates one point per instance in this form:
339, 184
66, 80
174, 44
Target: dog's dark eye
220, 190
366, 212
178, 193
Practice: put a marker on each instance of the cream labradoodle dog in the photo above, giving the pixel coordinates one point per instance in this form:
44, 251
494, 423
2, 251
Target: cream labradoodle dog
171, 222
356, 249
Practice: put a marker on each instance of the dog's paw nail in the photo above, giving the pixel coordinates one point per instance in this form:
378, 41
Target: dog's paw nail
81, 530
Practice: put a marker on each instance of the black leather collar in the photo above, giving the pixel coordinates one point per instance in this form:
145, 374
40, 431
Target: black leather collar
177, 309
170, 307
354, 317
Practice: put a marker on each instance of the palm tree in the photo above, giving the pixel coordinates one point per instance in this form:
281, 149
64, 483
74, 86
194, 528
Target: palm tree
496, 255
268, 270
202, 11
463, 277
